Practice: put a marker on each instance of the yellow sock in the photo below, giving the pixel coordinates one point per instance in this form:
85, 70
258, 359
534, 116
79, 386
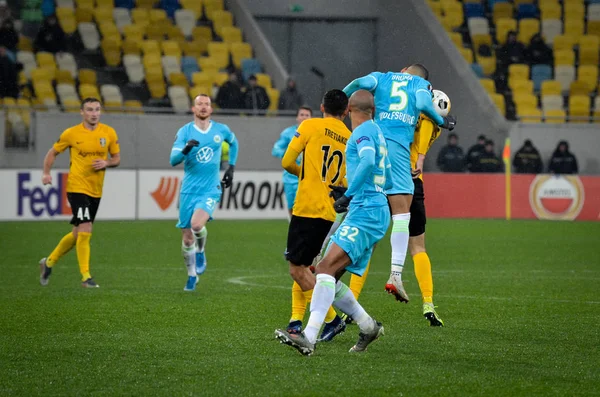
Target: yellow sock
298, 303
65, 245
423, 273
358, 282
83, 254
330, 313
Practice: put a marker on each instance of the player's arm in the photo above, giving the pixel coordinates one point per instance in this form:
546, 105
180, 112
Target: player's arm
60, 146
280, 146
296, 146
178, 151
425, 105
115, 156
234, 148
426, 129
368, 82
366, 155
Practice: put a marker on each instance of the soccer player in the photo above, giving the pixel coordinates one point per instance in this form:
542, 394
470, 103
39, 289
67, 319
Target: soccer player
425, 134
89, 145
369, 174
399, 100
290, 181
322, 142
198, 145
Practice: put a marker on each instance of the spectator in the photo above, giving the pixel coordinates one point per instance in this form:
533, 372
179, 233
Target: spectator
255, 96
475, 151
50, 37
527, 160
488, 161
452, 157
538, 52
230, 94
9, 38
5, 13
563, 161
290, 98
512, 51
9, 86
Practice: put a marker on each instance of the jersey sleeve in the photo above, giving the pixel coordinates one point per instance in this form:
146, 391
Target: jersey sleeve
365, 145
426, 129
368, 82
180, 142
233, 145
63, 142
281, 145
114, 147
301, 137
423, 95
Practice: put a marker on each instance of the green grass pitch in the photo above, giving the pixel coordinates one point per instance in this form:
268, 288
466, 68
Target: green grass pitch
520, 300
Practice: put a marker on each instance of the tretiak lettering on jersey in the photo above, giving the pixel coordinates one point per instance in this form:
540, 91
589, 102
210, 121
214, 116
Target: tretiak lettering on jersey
334, 136
362, 138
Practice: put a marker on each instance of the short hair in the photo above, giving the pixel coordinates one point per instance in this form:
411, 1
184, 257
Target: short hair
422, 69
307, 108
89, 100
481, 137
452, 135
489, 142
335, 102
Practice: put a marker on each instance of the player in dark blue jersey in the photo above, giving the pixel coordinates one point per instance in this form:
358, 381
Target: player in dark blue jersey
198, 145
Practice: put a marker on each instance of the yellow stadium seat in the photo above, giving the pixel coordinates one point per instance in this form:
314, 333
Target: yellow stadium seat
211, 7
452, 20
240, 51
202, 33
488, 64
174, 33
41, 75
263, 80
221, 78
574, 11
503, 26
551, 87
134, 106
111, 49
87, 76
589, 75
520, 86
530, 115
593, 27
467, 54
579, 88
89, 4
218, 48
488, 85
231, 34
527, 28
171, 48
194, 5
150, 47
64, 77
205, 89
479, 39
146, 4
574, 27
131, 47
157, 15
517, 2
45, 59
112, 107
525, 101
152, 60
564, 57
564, 42
502, 11
588, 56
551, 11
102, 15
71, 105
555, 116
154, 74
273, 98
208, 64
178, 79
140, 16
203, 78
88, 91
84, 15
157, 89
579, 108
134, 32
155, 32
25, 44
518, 71
194, 48
436, 7
456, 39
221, 19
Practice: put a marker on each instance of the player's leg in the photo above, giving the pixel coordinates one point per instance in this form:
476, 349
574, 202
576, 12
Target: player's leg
188, 240
423, 272
65, 245
201, 238
204, 207
290, 190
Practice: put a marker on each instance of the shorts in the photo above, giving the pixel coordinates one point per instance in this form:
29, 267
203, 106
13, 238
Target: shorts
305, 239
188, 203
290, 190
399, 156
362, 228
418, 218
84, 208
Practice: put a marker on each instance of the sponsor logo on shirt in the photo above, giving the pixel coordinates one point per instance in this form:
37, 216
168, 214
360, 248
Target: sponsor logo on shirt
205, 154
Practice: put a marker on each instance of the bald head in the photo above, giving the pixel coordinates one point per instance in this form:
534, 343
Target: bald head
362, 101
417, 69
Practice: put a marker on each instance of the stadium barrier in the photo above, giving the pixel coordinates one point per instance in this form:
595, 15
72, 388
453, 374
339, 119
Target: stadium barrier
153, 194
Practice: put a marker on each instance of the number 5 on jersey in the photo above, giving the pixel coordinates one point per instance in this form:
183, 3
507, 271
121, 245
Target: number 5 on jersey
398, 92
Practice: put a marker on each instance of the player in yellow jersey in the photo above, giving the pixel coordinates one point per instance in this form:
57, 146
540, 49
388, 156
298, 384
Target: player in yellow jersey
322, 143
90, 143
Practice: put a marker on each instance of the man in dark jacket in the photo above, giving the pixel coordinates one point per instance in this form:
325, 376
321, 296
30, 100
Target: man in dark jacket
538, 51
511, 52
451, 157
562, 160
230, 94
488, 161
9, 37
290, 98
256, 96
50, 37
9, 84
527, 160
474, 152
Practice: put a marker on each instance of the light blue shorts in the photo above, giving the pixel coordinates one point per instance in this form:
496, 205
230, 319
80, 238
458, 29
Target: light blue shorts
188, 203
362, 228
401, 169
290, 193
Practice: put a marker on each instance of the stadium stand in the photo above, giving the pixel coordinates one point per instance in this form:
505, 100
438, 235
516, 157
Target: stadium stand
520, 83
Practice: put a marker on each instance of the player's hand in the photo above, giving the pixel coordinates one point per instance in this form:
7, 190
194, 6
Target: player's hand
228, 177
418, 170
47, 179
449, 122
337, 191
99, 164
189, 145
341, 204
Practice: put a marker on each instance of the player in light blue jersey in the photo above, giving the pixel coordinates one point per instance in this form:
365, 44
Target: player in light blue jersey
368, 174
198, 145
290, 181
399, 100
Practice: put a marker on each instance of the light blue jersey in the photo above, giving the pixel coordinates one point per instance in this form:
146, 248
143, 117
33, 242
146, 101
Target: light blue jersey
279, 150
368, 168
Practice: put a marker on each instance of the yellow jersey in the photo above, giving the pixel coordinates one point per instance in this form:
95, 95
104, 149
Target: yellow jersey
426, 133
322, 143
85, 147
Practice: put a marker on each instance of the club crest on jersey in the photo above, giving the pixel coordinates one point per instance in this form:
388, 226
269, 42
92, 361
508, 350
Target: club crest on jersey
103, 142
362, 138
217, 138
204, 154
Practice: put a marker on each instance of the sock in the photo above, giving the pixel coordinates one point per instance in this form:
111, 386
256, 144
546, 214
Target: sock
83, 254
423, 273
399, 240
331, 314
65, 245
189, 257
298, 303
346, 302
201, 238
323, 296
358, 282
